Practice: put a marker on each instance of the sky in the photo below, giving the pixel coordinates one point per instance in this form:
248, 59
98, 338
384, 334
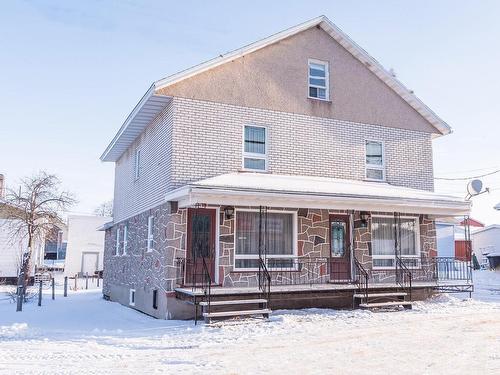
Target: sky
71, 71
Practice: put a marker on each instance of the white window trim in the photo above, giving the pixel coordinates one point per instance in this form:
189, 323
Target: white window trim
253, 155
150, 237
417, 246
256, 256
327, 79
131, 301
117, 245
137, 163
125, 240
375, 166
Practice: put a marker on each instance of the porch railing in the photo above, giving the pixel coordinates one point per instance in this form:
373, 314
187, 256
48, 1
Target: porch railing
442, 269
264, 280
361, 277
404, 276
318, 270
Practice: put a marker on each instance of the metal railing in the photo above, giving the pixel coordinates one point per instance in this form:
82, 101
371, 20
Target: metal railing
264, 280
206, 284
404, 276
361, 277
442, 269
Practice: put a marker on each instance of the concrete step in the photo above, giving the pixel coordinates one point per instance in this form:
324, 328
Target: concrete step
234, 302
224, 314
406, 304
380, 295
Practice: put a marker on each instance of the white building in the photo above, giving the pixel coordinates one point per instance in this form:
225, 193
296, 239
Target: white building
12, 248
85, 249
486, 241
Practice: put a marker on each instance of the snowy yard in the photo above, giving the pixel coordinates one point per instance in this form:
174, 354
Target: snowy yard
85, 334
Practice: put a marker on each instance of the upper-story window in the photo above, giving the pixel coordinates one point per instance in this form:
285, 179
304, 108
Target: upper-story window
255, 148
318, 80
375, 164
137, 164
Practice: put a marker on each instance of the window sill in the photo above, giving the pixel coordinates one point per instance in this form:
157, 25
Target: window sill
374, 180
326, 101
246, 170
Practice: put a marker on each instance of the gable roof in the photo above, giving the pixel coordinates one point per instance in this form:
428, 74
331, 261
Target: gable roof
123, 136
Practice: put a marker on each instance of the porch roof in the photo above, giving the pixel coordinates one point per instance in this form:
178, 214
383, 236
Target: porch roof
255, 189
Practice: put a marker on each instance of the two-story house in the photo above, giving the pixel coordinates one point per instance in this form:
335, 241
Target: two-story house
293, 172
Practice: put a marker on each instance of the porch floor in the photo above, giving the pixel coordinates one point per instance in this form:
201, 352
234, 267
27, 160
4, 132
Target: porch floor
279, 289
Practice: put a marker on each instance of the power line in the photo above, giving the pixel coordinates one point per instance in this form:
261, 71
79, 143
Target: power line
465, 178
472, 170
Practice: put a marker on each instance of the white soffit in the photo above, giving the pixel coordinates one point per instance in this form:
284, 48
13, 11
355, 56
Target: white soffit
344, 40
143, 114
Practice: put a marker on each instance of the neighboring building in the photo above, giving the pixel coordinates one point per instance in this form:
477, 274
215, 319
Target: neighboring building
445, 236
12, 247
56, 244
451, 240
282, 169
85, 248
486, 241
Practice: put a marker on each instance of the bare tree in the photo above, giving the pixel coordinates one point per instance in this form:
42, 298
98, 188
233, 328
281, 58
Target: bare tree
104, 209
34, 211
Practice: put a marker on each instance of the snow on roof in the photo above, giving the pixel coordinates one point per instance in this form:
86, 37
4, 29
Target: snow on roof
318, 185
489, 227
243, 188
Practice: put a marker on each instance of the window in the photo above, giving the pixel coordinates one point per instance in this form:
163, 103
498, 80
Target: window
155, 299
318, 80
383, 242
375, 160
151, 221
125, 239
131, 297
117, 245
255, 148
137, 164
281, 240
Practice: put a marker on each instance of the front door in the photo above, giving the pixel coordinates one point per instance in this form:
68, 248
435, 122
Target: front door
200, 245
340, 241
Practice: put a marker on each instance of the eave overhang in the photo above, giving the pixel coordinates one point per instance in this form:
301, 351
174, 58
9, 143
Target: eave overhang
190, 195
148, 108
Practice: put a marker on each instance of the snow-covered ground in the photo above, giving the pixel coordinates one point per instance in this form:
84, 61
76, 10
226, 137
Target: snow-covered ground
85, 334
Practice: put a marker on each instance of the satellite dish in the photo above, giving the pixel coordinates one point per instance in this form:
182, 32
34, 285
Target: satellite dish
474, 187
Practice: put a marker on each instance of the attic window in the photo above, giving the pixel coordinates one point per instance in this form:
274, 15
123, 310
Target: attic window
318, 79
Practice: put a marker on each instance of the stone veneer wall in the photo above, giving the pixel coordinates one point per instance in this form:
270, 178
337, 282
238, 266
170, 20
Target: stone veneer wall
313, 241
146, 271
139, 269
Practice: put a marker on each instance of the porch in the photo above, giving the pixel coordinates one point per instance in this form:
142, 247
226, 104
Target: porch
319, 243
304, 286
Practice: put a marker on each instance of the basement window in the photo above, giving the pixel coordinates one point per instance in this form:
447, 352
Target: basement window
131, 297
155, 299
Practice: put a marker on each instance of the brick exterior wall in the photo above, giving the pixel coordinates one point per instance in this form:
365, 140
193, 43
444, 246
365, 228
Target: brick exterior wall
192, 139
208, 141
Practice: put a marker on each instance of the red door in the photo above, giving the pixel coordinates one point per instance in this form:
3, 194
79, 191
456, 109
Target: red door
340, 254
200, 244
